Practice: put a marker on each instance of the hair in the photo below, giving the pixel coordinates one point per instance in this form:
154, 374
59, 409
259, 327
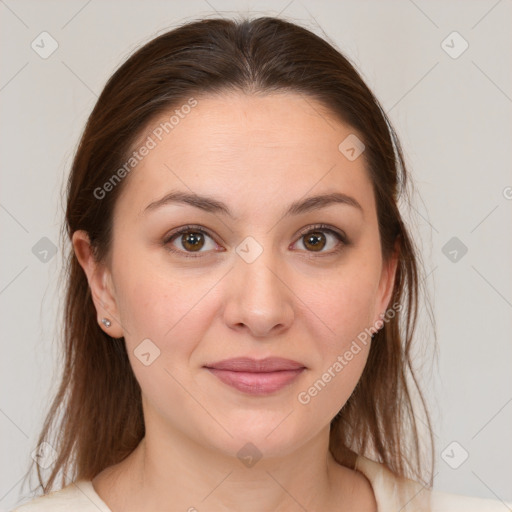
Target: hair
99, 397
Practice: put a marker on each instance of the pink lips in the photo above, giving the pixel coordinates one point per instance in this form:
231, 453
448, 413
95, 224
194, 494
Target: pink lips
256, 377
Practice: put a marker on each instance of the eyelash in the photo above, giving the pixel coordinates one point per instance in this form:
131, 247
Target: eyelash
342, 238
310, 229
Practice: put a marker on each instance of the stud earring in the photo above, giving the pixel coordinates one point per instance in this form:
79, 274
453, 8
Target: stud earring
106, 322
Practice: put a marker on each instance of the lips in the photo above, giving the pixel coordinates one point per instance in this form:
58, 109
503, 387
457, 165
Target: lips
257, 377
247, 364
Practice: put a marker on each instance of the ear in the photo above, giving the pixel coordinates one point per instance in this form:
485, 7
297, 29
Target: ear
387, 284
100, 283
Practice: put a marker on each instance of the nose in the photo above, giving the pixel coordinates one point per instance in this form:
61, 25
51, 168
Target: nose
259, 299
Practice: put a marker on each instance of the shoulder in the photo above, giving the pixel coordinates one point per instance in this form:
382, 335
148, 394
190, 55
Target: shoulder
78, 496
394, 493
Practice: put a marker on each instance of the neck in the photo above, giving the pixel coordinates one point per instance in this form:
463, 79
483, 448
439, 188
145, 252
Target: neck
174, 473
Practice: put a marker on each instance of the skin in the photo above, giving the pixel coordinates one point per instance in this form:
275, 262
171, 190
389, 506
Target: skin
257, 154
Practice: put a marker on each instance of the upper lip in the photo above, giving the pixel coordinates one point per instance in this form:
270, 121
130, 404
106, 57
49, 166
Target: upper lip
247, 364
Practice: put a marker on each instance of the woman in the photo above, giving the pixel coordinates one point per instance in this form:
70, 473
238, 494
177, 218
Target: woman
242, 290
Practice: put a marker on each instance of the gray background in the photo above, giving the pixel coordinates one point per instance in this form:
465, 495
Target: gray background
452, 112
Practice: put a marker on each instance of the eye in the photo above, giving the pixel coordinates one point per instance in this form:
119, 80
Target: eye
316, 238
189, 240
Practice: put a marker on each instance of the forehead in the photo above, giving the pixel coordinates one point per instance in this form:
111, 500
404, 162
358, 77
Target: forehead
248, 149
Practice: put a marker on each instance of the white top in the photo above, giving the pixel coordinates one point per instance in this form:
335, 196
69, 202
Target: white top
391, 495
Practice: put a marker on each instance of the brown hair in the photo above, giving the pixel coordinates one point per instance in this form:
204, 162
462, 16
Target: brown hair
99, 397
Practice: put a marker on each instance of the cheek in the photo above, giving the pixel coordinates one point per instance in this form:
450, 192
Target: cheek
345, 303
337, 311
345, 307
343, 355
165, 320
169, 308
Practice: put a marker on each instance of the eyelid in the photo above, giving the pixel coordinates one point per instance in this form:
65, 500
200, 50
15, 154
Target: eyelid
343, 239
324, 227
184, 229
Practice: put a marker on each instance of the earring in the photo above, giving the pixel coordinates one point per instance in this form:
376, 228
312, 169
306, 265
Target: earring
106, 322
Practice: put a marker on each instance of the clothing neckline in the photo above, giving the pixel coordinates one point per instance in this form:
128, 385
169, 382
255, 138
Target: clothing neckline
372, 470
391, 491
88, 490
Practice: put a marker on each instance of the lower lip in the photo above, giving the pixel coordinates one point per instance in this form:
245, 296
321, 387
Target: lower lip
257, 383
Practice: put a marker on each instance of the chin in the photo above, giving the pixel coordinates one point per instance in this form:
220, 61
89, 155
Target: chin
267, 437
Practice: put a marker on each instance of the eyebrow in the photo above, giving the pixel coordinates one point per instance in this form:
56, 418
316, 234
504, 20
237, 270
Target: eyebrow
212, 205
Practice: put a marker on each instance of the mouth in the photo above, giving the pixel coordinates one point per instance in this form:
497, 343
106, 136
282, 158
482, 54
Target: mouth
256, 377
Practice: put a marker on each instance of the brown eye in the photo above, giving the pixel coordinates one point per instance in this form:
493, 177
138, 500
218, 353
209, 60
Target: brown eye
192, 240
315, 241
322, 240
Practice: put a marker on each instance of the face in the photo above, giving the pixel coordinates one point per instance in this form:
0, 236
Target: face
247, 278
